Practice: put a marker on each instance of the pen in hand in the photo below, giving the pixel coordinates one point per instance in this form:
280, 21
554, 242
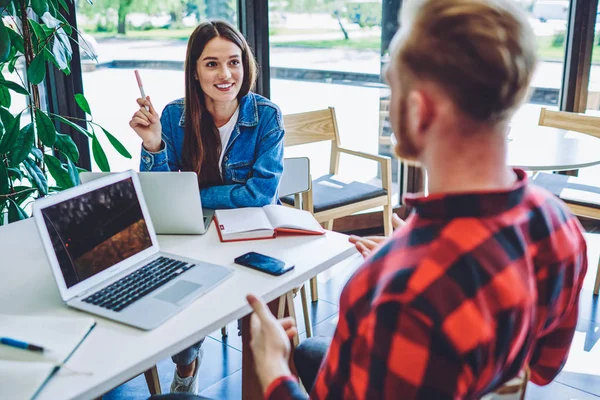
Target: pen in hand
21, 345
140, 85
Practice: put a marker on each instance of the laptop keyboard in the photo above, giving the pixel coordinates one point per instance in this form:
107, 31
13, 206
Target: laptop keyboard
138, 284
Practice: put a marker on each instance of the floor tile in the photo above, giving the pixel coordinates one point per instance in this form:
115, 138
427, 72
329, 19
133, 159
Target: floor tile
219, 362
556, 391
229, 388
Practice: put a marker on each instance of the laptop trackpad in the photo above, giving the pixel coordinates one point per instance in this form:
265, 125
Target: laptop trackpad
178, 291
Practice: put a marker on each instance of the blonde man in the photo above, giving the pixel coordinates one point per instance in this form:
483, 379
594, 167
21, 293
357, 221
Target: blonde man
484, 278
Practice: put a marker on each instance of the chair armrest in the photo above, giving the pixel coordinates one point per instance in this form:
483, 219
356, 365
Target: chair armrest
380, 159
384, 161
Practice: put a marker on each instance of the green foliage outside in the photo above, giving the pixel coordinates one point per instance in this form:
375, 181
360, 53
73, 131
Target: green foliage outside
366, 15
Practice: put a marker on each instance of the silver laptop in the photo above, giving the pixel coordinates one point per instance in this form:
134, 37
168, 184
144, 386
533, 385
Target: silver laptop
173, 199
105, 256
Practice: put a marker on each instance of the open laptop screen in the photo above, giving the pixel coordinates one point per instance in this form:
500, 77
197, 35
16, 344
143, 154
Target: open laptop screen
96, 230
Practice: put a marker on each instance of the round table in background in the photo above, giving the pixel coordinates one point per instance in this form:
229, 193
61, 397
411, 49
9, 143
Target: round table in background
541, 148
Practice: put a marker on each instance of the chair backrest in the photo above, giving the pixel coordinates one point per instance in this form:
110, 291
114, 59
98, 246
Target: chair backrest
310, 127
571, 121
296, 176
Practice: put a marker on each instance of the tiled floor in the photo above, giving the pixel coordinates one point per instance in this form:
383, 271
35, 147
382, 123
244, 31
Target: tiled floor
221, 378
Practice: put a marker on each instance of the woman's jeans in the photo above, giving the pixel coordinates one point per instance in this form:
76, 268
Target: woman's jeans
187, 356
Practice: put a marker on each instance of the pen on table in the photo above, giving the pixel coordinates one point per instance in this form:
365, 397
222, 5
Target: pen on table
21, 345
140, 85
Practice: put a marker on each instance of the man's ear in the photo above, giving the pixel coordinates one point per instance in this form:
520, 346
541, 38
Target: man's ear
420, 112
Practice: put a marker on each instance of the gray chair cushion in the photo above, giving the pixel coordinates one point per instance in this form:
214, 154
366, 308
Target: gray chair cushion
329, 193
570, 189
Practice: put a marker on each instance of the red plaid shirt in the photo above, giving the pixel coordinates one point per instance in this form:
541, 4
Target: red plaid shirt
474, 288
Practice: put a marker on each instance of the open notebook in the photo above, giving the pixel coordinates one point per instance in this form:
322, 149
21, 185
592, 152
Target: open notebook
264, 223
23, 373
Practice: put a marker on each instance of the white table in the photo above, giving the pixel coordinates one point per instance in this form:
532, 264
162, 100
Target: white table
115, 352
541, 148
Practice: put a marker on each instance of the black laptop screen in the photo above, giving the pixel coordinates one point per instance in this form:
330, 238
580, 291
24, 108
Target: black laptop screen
94, 231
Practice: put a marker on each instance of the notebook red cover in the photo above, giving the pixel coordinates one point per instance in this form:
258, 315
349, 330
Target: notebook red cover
302, 223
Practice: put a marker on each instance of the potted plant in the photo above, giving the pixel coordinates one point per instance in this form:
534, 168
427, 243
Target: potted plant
36, 159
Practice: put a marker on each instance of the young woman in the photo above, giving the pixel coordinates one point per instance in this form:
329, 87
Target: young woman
231, 137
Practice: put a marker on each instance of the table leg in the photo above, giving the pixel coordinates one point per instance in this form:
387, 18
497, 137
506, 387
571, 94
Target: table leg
251, 389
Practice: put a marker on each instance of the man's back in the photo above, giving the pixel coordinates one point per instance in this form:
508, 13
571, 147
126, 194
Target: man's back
473, 289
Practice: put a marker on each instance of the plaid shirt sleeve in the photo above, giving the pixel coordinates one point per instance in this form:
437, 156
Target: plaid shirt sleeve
561, 303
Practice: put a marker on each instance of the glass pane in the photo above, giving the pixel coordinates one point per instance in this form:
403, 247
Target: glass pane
152, 38
328, 54
549, 19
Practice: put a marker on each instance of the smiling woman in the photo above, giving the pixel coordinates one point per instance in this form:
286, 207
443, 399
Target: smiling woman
232, 138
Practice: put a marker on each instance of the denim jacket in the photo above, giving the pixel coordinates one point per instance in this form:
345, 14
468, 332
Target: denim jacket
253, 158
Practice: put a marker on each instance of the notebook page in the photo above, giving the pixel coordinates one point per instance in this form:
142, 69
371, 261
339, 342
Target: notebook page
292, 218
242, 220
59, 335
21, 380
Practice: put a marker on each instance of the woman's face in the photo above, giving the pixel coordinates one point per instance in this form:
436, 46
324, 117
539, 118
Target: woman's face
220, 71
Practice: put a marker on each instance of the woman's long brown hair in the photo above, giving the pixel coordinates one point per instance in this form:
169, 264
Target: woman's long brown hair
202, 145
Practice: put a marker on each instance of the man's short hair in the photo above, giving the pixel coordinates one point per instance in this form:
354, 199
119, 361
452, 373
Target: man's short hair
481, 52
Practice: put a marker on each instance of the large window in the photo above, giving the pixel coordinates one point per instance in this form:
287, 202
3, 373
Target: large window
329, 53
123, 35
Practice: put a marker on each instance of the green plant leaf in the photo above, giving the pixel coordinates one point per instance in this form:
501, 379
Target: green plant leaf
15, 173
36, 72
58, 172
62, 54
4, 180
72, 125
37, 153
25, 192
5, 44
38, 35
12, 127
14, 86
66, 145
66, 26
23, 146
39, 6
1, 129
64, 5
15, 212
36, 176
45, 128
116, 144
99, 155
5, 99
12, 63
82, 103
73, 173
16, 40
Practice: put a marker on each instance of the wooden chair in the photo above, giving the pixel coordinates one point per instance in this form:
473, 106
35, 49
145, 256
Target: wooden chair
582, 197
329, 198
511, 390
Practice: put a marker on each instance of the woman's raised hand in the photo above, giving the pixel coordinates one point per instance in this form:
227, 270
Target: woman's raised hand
146, 123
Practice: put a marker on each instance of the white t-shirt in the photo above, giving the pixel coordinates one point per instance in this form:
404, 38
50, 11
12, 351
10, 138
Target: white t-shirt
225, 132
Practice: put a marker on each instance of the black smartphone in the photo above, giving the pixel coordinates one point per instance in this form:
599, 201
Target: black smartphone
260, 262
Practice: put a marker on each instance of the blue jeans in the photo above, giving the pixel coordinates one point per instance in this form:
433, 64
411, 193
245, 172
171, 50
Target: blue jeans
308, 357
187, 356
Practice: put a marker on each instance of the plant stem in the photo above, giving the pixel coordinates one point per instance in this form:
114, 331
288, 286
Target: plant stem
29, 56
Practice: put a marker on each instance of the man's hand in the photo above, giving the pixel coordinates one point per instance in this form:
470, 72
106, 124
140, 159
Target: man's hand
367, 245
270, 342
